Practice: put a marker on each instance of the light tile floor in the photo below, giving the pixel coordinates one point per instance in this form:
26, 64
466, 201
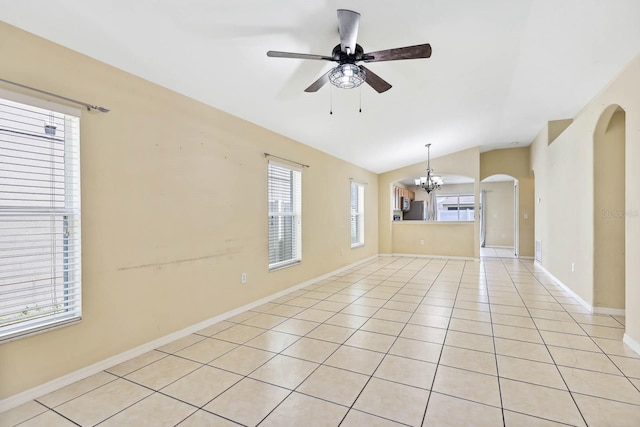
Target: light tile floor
490, 252
395, 341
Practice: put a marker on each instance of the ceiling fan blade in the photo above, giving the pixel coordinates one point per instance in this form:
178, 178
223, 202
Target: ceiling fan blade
409, 52
375, 81
276, 54
319, 83
348, 24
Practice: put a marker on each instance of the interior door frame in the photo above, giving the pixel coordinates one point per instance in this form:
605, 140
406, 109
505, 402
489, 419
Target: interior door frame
516, 217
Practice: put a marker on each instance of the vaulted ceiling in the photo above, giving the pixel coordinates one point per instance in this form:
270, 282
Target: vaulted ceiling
499, 70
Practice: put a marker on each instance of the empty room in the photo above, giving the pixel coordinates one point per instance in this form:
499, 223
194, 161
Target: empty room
331, 213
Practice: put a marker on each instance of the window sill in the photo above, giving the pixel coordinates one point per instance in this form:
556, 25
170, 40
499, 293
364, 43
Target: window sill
284, 265
359, 245
36, 331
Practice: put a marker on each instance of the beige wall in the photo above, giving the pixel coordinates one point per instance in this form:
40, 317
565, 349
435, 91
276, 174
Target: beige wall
465, 163
434, 238
515, 162
499, 213
564, 173
564, 207
608, 250
173, 210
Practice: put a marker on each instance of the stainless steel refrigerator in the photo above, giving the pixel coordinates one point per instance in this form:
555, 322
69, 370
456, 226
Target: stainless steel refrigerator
417, 211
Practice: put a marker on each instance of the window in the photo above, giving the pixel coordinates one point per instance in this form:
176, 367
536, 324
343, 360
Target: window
456, 207
285, 219
357, 214
39, 218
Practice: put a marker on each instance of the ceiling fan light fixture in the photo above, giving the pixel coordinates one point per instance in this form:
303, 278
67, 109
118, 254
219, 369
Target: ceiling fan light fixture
347, 76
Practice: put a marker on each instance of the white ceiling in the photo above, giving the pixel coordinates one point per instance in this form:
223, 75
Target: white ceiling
500, 68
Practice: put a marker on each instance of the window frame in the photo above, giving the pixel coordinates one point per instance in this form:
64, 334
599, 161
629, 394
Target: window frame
458, 210
295, 213
64, 305
357, 214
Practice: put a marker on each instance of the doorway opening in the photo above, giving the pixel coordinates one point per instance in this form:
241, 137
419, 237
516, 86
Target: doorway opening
499, 223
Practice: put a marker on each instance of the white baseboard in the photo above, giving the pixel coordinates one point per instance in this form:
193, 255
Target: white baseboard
566, 288
463, 258
41, 390
526, 257
609, 311
635, 345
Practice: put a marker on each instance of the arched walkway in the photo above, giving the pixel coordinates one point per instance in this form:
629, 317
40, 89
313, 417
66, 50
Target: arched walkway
609, 212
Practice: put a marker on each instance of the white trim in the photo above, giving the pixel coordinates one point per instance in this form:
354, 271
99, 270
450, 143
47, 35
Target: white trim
609, 311
635, 345
526, 257
53, 385
566, 288
463, 258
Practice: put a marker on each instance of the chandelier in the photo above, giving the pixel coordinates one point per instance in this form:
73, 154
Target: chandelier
347, 76
430, 182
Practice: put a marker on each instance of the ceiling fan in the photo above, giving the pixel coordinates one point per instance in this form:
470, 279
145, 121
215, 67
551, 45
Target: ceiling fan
348, 53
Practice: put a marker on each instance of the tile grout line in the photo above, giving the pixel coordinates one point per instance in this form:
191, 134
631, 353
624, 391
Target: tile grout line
167, 354
594, 342
320, 364
495, 351
547, 347
394, 341
435, 373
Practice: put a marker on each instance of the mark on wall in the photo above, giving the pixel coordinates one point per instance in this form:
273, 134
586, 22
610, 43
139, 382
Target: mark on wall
231, 247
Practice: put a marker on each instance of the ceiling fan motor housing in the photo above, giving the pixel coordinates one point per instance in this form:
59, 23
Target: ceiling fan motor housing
351, 58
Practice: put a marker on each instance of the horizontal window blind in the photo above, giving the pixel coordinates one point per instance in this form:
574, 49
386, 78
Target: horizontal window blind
40, 266
357, 214
284, 215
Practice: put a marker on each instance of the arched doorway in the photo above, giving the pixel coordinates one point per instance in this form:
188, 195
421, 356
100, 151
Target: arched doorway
499, 219
609, 212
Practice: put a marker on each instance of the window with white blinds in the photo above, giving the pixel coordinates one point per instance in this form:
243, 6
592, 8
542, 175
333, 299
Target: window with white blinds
39, 219
357, 214
285, 215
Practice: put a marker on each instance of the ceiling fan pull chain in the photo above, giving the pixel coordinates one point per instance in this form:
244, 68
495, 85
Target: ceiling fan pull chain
330, 100
360, 110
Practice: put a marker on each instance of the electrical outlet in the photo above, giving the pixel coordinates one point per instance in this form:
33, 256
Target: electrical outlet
243, 278
573, 267
421, 242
